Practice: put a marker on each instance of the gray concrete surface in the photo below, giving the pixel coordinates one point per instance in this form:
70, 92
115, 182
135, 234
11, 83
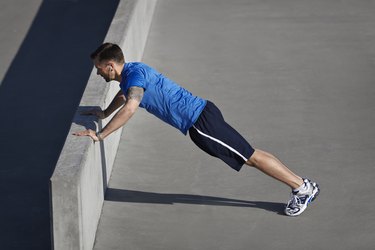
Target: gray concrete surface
44, 68
294, 77
83, 169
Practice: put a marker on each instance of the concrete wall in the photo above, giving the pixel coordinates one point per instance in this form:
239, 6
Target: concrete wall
82, 172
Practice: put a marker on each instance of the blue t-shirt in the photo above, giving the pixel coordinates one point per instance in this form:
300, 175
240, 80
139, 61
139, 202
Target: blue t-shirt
162, 97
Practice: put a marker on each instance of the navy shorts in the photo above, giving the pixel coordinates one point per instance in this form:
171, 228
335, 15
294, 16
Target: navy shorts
217, 138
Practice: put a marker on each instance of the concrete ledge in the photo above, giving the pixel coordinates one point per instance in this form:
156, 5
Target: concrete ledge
82, 172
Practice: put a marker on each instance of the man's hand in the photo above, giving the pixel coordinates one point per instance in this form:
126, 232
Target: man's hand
87, 132
97, 112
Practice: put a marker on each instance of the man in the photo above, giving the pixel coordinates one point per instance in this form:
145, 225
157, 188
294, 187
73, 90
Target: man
142, 86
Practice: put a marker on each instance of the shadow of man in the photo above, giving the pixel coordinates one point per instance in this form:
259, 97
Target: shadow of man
132, 196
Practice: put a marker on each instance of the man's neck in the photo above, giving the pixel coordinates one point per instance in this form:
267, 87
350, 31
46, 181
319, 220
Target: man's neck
118, 70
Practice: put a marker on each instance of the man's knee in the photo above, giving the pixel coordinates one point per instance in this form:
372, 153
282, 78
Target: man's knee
252, 161
256, 157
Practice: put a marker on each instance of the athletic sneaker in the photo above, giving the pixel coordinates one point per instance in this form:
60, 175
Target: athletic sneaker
301, 198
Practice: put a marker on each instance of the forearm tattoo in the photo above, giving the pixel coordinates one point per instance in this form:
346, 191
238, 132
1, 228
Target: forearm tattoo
135, 93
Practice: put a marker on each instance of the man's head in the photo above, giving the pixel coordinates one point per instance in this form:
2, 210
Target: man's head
109, 60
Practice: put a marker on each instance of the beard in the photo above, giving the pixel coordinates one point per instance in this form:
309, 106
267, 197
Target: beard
109, 78
106, 78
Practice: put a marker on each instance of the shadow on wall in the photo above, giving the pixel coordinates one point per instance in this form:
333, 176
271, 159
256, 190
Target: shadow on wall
38, 99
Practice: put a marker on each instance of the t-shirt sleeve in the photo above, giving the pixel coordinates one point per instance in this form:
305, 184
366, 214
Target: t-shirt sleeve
136, 79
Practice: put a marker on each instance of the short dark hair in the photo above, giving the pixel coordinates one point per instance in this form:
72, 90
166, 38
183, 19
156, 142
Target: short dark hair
108, 51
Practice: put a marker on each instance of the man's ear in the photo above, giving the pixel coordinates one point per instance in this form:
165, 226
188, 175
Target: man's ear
111, 65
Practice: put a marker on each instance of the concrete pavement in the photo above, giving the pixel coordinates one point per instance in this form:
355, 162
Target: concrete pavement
296, 78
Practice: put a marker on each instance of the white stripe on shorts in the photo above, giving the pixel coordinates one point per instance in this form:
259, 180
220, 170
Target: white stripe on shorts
222, 143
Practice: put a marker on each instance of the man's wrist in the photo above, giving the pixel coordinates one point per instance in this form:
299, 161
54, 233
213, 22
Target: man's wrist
99, 135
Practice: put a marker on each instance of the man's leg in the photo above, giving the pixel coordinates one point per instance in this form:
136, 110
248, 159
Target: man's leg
273, 167
304, 191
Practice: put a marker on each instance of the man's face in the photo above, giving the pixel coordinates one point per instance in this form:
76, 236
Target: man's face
104, 69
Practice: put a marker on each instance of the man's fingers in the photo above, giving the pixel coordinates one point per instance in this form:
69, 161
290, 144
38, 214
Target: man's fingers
88, 132
82, 133
90, 112
97, 113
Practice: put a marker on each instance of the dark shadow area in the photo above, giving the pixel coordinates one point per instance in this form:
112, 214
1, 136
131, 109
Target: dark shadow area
103, 159
38, 99
158, 198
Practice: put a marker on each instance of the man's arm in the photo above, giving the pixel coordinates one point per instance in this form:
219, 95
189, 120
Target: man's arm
133, 99
117, 102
